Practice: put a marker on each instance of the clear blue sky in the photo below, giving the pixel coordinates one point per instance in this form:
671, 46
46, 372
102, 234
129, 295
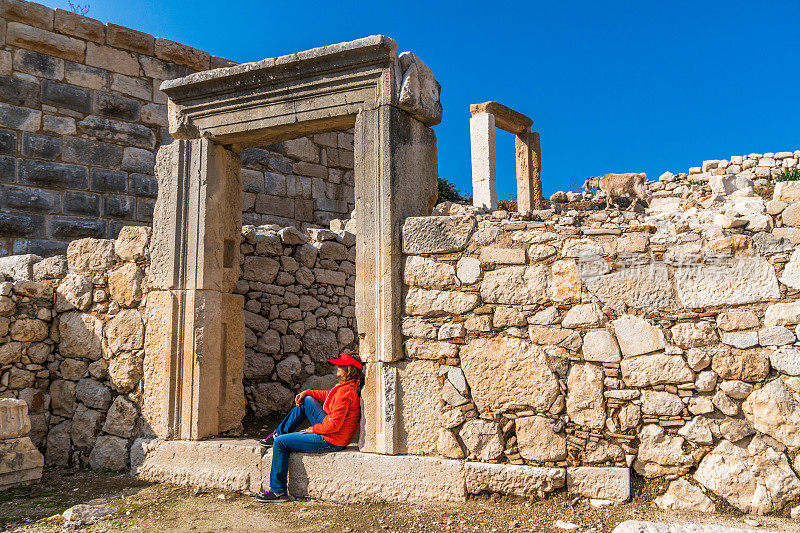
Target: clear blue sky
611, 86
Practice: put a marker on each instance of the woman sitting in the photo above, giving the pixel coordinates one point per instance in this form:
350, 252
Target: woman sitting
335, 416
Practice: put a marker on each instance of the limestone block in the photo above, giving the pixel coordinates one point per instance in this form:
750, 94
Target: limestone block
442, 234
18, 267
125, 370
787, 191
93, 394
661, 403
80, 335
782, 314
419, 90
736, 319
698, 431
419, 407
14, 420
90, 255
507, 316
29, 330
585, 405
468, 270
636, 336
754, 479
109, 453
504, 372
655, 369
448, 445
583, 315
744, 365
537, 441
516, 480
125, 332
775, 336
683, 496
424, 272
224, 464
601, 347
482, 438
86, 425
740, 340
739, 281
693, 334
373, 477
516, 285
773, 410
565, 281
75, 291
125, 284
131, 244
121, 418
416, 327
785, 359
660, 454
601, 483
436, 303
20, 462
643, 287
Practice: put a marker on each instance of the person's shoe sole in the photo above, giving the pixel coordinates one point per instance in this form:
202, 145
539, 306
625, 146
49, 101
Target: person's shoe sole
280, 500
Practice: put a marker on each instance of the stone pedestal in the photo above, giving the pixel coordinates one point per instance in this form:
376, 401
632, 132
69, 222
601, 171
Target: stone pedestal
20, 461
194, 346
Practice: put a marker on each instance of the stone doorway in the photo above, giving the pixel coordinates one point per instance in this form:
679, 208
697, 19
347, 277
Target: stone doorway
193, 373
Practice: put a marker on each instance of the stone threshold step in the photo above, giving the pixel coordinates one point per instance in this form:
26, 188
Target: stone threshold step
353, 476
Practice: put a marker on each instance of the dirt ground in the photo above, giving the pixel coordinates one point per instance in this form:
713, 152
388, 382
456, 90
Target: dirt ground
148, 507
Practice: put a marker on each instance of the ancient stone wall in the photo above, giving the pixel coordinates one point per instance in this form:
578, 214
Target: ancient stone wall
586, 342
81, 116
72, 333
299, 293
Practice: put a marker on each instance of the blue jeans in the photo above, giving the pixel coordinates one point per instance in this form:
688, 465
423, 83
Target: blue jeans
287, 441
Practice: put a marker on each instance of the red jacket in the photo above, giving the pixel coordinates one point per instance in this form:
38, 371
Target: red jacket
343, 407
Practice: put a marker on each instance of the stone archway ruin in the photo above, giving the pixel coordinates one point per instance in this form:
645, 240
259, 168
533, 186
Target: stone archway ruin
193, 374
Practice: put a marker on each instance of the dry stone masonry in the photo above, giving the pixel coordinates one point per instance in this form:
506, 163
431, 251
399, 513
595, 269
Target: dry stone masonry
589, 342
299, 309
81, 117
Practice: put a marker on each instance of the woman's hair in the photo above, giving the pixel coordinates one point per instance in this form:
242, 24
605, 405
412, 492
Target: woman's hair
353, 373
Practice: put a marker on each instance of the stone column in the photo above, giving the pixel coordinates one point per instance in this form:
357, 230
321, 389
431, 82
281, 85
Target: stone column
194, 345
393, 180
529, 166
484, 172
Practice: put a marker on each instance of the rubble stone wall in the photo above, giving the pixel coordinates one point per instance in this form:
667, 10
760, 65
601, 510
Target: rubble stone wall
81, 116
72, 333
586, 342
299, 312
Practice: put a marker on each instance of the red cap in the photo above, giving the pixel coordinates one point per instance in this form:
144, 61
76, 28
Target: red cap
347, 359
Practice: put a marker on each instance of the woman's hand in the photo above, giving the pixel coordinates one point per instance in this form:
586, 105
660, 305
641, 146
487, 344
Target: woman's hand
306, 431
299, 398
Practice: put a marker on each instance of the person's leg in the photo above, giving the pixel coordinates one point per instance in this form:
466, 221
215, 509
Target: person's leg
293, 442
309, 409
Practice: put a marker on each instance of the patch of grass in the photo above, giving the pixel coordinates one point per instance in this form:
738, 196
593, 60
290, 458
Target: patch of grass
790, 174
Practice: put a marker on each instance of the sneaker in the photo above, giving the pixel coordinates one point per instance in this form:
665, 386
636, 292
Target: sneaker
270, 497
268, 441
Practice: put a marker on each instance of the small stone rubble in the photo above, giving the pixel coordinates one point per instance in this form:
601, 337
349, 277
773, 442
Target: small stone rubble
73, 334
